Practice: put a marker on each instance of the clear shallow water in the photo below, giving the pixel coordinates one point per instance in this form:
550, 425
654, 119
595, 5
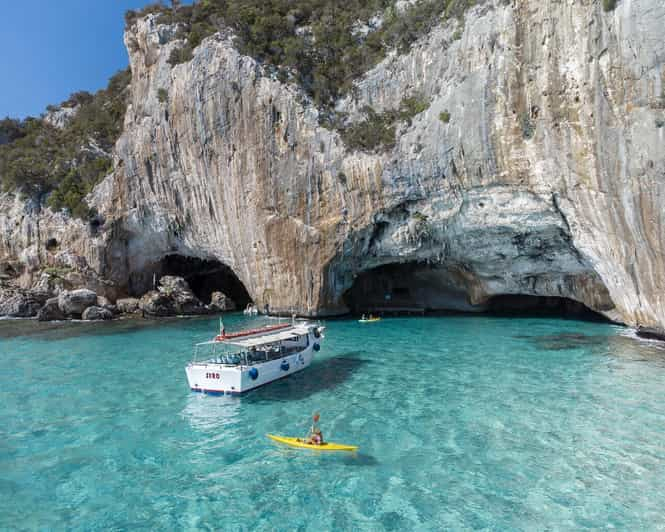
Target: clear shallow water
463, 422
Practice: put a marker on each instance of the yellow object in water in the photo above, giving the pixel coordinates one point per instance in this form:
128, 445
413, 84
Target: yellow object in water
302, 444
370, 320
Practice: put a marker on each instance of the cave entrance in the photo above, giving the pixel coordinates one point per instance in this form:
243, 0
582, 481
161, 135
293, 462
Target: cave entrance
526, 305
206, 276
419, 288
405, 289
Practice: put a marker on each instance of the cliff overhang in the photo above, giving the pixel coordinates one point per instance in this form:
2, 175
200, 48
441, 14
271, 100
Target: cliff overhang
534, 168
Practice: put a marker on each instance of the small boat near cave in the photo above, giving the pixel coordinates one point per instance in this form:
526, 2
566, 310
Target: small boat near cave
237, 362
250, 310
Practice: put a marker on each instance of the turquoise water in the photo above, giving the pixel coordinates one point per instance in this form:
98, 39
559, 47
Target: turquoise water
463, 423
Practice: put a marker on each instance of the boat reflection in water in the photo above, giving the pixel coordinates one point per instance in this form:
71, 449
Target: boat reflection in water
210, 414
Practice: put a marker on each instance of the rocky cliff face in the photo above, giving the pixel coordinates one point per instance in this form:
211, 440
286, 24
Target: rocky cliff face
545, 180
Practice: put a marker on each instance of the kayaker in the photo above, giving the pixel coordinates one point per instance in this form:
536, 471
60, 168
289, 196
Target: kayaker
315, 420
315, 435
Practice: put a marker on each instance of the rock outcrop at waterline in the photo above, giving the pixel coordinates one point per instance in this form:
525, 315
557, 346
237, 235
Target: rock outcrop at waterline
536, 169
173, 297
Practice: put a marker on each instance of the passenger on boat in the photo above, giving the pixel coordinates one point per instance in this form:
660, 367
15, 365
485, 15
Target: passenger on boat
364, 317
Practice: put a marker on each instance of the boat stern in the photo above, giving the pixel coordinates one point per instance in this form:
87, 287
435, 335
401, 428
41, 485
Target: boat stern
213, 378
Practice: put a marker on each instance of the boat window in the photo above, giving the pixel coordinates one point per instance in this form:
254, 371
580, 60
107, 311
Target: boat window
275, 353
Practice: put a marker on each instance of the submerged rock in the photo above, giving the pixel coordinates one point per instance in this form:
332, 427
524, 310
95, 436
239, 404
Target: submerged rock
74, 302
564, 341
97, 313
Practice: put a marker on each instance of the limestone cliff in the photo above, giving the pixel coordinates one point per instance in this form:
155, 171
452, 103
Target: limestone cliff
545, 179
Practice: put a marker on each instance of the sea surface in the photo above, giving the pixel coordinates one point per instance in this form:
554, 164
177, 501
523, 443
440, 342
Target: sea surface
463, 423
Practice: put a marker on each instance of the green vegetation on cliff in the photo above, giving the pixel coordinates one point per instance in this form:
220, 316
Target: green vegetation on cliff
377, 130
324, 45
37, 158
609, 5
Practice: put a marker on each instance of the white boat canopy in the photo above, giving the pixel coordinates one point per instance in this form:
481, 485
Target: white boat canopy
262, 339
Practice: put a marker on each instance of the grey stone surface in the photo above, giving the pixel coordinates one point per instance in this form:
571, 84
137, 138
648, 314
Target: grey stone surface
127, 305
51, 311
156, 304
97, 313
74, 302
219, 302
19, 305
61, 116
184, 300
546, 180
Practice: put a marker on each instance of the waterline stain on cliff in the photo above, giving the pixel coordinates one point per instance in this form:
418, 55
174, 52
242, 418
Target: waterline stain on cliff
528, 305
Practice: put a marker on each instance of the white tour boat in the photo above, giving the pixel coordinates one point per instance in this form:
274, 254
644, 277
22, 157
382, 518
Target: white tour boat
241, 361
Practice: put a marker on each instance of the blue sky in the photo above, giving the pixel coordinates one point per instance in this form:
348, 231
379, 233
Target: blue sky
51, 48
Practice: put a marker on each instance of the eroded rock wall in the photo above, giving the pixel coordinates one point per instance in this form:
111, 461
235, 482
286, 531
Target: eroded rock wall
545, 180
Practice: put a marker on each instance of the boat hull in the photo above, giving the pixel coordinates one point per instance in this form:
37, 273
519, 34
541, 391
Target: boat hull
221, 379
298, 443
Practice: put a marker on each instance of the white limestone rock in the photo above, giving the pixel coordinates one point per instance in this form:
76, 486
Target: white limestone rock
74, 302
97, 313
546, 180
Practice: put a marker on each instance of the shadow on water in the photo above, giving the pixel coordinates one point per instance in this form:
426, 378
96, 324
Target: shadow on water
320, 376
347, 459
563, 341
359, 459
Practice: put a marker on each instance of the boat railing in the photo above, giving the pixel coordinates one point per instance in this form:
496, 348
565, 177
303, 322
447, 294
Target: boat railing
218, 355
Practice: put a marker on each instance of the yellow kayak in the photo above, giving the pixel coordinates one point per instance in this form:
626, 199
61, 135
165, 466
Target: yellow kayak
302, 444
369, 321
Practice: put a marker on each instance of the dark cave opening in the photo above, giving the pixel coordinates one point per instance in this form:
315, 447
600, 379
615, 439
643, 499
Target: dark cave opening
419, 288
206, 276
546, 306
404, 289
